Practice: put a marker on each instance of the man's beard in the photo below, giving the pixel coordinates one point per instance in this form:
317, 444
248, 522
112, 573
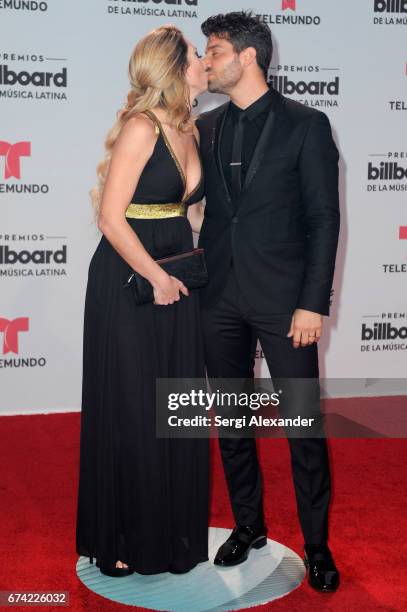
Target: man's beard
229, 77
215, 87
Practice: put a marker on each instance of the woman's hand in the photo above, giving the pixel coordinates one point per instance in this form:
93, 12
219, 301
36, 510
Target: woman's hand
167, 291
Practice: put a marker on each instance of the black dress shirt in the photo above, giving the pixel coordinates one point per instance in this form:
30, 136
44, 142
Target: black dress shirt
256, 115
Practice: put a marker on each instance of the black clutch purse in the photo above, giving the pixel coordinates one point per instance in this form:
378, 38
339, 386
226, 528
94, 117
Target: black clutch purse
189, 267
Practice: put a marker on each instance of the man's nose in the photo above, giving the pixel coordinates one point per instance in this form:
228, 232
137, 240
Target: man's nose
206, 62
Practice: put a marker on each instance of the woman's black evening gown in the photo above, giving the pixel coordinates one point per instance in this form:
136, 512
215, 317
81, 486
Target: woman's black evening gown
142, 499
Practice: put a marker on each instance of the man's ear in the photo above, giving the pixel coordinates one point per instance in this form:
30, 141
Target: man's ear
248, 56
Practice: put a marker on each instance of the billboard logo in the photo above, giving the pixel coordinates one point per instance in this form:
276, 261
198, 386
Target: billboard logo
387, 334
46, 256
289, 4
390, 6
312, 85
390, 12
22, 77
389, 174
403, 232
383, 331
12, 154
314, 88
44, 259
386, 171
11, 329
38, 79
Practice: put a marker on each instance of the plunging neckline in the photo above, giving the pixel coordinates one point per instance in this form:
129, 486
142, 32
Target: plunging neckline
181, 172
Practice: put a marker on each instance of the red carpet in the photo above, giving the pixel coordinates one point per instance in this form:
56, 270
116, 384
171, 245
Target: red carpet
39, 459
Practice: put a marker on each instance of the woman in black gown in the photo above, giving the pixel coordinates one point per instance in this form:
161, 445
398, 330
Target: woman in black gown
142, 500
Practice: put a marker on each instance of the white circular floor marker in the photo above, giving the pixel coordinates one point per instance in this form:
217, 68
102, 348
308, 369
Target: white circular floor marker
269, 573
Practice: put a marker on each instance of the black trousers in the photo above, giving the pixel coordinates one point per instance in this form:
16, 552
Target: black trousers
231, 328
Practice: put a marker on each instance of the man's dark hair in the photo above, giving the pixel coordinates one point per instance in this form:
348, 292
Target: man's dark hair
242, 29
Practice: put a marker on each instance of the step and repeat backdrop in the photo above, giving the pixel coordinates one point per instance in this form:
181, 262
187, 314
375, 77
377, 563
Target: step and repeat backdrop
63, 76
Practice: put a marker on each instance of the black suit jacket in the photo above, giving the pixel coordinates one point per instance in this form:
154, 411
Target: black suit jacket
282, 231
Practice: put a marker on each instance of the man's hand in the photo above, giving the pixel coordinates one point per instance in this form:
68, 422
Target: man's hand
306, 327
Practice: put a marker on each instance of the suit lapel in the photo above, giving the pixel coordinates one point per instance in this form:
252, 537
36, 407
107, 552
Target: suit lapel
217, 139
262, 144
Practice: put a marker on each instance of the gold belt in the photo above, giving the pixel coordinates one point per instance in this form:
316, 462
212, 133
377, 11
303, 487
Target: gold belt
155, 211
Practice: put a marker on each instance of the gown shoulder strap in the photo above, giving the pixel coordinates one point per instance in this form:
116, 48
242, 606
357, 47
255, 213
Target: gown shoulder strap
154, 119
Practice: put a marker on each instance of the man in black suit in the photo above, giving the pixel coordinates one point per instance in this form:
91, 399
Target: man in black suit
270, 234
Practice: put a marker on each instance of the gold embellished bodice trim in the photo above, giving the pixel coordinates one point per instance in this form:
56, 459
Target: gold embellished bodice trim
155, 211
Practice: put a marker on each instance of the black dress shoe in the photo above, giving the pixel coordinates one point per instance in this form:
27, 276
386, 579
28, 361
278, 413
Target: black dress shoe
323, 574
237, 547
